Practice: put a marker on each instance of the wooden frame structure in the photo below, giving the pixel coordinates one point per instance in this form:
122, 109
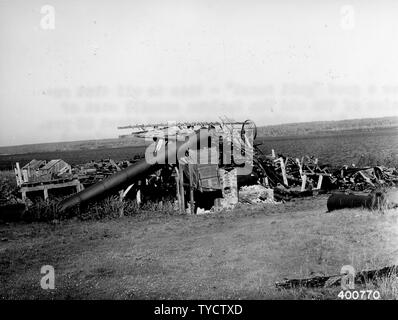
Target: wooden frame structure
48, 185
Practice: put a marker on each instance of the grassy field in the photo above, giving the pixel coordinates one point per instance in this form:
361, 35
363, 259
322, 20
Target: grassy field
337, 148
344, 148
73, 157
237, 254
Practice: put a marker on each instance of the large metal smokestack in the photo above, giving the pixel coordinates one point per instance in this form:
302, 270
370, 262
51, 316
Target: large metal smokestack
121, 179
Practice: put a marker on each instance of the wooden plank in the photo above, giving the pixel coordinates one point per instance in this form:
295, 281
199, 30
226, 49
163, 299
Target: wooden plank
266, 182
121, 198
300, 166
191, 196
283, 172
19, 175
24, 197
365, 178
178, 191
45, 191
319, 185
25, 175
43, 182
138, 197
50, 186
182, 188
304, 180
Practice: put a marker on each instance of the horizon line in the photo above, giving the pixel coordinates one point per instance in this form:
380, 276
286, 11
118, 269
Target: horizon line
258, 126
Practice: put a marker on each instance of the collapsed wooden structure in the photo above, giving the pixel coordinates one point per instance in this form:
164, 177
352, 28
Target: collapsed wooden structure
203, 162
227, 160
40, 175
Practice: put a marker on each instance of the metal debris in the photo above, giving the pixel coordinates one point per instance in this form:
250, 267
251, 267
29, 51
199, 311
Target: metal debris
373, 201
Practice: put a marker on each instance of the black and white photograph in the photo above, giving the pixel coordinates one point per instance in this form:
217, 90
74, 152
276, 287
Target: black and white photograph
181, 152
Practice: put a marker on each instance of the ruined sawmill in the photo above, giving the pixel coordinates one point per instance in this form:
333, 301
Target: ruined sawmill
202, 167
204, 162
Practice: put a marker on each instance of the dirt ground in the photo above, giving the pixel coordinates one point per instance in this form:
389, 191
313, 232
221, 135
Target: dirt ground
231, 255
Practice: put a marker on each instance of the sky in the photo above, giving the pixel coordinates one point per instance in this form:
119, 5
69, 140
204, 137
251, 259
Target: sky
75, 70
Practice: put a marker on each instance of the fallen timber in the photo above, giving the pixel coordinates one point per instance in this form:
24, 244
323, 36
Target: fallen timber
361, 278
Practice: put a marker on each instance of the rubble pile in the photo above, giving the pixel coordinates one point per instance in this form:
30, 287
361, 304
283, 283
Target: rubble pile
293, 177
256, 194
95, 171
274, 178
218, 165
37, 171
365, 179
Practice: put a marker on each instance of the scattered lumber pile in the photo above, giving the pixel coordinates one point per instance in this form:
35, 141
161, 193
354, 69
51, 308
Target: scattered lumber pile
365, 179
361, 278
95, 171
42, 176
40, 171
294, 177
286, 177
218, 159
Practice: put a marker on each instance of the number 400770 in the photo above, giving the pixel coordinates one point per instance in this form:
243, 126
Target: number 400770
359, 295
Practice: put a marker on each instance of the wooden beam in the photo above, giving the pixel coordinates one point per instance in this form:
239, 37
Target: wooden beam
178, 190
72, 183
121, 198
319, 185
191, 188
304, 180
182, 187
45, 191
24, 197
266, 182
300, 166
138, 197
283, 172
18, 174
